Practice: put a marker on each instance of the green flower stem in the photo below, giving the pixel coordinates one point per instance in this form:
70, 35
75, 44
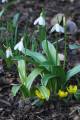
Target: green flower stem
65, 48
56, 49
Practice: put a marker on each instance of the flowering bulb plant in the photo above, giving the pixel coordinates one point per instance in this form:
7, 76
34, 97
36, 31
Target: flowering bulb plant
48, 65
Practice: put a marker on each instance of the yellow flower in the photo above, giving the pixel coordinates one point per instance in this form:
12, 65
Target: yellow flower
62, 94
72, 89
39, 95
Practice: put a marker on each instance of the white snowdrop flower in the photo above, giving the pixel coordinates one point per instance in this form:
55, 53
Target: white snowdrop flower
8, 52
3, 1
57, 28
40, 20
19, 46
61, 57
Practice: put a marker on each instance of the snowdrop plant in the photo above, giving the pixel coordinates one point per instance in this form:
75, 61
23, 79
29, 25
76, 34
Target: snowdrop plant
40, 21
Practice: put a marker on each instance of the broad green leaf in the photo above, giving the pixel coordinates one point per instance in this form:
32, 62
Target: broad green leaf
46, 65
38, 57
22, 70
15, 89
15, 19
50, 51
46, 78
45, 92
73, 71
32, 77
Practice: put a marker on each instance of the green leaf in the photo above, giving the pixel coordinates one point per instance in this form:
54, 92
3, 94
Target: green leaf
59, 73
73, 71
45, 92
15, 89
2, 12
74, 46
50, 51
15, 19
24, 91
22, 70
38, 57
32, 77
46, 78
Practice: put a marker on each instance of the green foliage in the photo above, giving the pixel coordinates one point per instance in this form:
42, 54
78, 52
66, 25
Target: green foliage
32, 77
73, 71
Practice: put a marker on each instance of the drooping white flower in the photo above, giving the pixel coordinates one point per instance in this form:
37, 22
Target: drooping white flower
40, 20
61, 57
8, 52
3, 1
19, 46
57, 28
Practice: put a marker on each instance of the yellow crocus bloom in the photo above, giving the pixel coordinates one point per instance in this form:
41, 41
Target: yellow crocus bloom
62, 94
72, 89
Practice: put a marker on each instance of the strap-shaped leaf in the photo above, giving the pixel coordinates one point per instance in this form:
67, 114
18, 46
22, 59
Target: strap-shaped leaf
15, 89
32, 77
2, 12
74, 46
38, 57
22, 70
46, 78
15, 19
45, 92
50, 51
73, 71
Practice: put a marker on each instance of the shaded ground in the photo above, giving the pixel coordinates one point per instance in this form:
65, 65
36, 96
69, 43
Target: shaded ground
14, 108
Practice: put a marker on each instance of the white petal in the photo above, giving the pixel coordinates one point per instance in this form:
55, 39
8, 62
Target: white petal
61, 57
41, 21
16, 46
57, 28
36, 21
19, 46
8, 53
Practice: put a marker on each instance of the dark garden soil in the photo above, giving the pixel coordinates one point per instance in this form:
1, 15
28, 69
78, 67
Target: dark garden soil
15, 108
